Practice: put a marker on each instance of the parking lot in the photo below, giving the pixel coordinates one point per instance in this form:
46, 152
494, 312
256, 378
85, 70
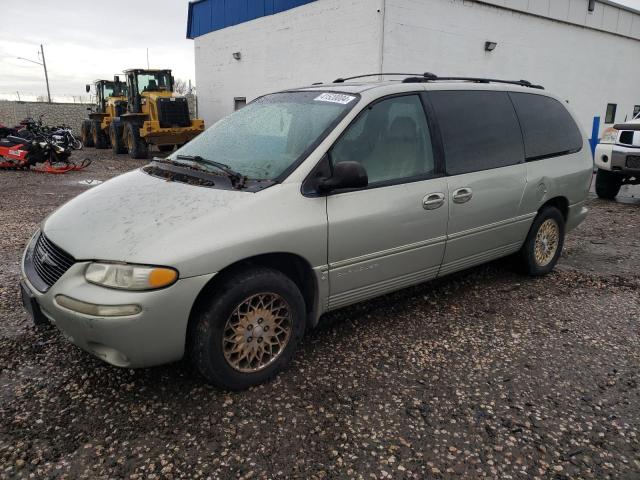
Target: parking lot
485, 374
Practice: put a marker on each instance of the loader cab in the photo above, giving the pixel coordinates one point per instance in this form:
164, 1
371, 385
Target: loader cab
106, 89
143, 83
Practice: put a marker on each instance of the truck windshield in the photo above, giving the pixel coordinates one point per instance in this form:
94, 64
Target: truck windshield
154, 81
270, 135
108, 90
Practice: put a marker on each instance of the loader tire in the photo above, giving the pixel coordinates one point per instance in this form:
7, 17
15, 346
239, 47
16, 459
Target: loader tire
116, 131
85, 133
99, 138
136, 146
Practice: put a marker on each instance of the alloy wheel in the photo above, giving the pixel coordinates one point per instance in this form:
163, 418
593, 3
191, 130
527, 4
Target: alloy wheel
257, 332
546, 244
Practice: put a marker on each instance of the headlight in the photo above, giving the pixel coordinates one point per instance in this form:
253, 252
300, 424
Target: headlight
130, 277
610, 135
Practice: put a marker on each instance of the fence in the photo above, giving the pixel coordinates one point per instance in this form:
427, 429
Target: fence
72, 114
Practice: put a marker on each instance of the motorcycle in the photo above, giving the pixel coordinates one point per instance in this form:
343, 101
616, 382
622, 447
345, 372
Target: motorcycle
31, 129
63, 136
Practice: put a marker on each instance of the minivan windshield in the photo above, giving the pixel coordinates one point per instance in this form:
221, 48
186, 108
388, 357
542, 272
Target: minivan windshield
270, 135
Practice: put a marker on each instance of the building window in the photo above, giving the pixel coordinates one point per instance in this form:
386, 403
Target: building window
239, 102
636, 111
611, 113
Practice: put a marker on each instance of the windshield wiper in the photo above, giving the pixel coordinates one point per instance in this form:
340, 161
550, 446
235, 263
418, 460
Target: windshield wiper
236, 178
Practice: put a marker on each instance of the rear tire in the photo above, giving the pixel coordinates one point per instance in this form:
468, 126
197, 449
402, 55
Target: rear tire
543, 246
115, 135
85, 133
99, 138
608, 184
248, 328
136, 146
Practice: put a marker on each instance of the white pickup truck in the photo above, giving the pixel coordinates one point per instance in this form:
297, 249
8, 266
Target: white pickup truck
617, 158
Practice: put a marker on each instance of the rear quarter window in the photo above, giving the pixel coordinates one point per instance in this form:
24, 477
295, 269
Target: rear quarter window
480, 130
547, 127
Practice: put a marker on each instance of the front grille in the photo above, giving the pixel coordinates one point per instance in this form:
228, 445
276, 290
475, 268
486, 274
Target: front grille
173, 112
45, 263
633, 162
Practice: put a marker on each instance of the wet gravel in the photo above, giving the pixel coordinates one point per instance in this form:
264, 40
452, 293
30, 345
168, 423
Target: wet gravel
486, 374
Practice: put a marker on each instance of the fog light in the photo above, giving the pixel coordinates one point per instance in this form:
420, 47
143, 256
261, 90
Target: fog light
605, 159
97, 310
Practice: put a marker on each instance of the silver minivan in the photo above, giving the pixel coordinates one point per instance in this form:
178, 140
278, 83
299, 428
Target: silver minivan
303, 202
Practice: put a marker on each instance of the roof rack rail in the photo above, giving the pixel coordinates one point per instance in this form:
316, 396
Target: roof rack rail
431, 77
421, 79
421, 75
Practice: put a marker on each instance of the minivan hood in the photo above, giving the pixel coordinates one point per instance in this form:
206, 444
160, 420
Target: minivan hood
139, 218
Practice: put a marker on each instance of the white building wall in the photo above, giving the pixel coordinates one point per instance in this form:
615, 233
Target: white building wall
317, 42
552, 42
589, 68
605, 16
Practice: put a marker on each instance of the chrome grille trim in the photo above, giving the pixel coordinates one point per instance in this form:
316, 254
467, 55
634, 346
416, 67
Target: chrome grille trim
45, 262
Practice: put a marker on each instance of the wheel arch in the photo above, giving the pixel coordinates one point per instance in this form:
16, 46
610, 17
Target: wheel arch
293, 266
559, 202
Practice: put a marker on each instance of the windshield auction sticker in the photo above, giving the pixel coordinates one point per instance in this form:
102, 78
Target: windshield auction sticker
335, 98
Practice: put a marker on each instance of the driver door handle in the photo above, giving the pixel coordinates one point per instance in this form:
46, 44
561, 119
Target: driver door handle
462, 195
433, 201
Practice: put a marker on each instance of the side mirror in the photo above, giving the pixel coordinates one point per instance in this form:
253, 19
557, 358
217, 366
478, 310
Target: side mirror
345, 175
88, 88
116, 79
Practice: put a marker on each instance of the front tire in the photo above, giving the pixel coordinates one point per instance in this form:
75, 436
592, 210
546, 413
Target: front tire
99, 138
136, 146
608, 184
115, 135
543, 246
249, 329
85, 133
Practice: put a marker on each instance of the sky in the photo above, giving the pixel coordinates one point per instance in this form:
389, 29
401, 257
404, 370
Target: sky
629, 3
84, 41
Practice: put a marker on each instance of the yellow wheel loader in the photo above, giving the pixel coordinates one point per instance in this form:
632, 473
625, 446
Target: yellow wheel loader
155, 115
103, 128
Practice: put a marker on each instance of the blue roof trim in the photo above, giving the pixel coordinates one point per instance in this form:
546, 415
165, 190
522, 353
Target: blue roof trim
207, 16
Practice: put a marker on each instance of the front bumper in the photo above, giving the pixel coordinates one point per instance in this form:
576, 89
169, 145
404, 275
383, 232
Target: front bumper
617, 158
155, 336
153, 133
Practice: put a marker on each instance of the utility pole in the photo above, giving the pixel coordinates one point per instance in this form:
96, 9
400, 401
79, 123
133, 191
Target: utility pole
147, 58
18, 93
43, 64
46, 75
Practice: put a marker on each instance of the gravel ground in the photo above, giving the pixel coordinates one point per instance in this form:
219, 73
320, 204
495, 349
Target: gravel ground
486, 374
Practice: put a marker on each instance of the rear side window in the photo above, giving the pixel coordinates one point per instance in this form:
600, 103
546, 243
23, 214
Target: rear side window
547, 127
480, 130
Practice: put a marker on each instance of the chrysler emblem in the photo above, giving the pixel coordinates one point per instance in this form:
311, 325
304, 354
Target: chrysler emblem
46, 258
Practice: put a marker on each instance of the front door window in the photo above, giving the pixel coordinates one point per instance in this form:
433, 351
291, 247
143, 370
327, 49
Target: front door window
390, 139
